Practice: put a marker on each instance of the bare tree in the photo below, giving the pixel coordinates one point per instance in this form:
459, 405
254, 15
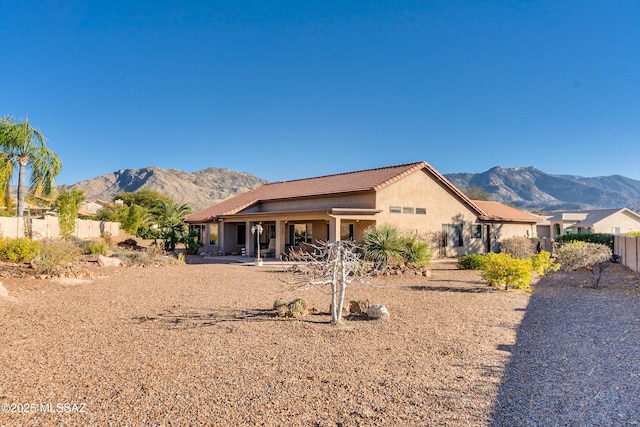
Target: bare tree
592, 257
334, 265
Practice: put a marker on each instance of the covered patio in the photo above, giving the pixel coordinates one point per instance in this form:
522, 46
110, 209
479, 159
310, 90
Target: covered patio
282, 232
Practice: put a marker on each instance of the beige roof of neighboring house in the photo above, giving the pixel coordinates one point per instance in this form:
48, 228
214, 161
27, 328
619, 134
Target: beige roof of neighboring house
500, 211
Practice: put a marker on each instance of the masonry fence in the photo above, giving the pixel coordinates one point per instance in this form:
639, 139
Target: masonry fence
628, 247
47, 227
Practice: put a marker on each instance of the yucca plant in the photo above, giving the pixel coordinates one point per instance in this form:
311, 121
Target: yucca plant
383, 245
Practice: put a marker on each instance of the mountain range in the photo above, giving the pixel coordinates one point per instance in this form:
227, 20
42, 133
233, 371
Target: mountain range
524, 187
197, 189
531, 189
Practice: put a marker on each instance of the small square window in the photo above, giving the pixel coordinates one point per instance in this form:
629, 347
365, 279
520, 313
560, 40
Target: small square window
421, 211
407, 211
395, 209
476, 231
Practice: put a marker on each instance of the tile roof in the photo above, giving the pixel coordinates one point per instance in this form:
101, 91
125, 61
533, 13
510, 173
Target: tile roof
500, 211
352, 182
592, 215
342, 183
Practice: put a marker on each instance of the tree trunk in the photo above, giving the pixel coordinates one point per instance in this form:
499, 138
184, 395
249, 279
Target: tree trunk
21, 203
343, 282
335, 313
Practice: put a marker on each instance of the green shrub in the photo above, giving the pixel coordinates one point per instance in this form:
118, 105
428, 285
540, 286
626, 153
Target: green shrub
470, 262
632, 233
191, 243
92, 247
518, 247
601, 238
54, 255
18, 250
506, 271
416, 252
542, 263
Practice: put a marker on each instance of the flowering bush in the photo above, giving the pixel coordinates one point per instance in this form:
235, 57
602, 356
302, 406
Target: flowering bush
543, 263
506, 271
18, 250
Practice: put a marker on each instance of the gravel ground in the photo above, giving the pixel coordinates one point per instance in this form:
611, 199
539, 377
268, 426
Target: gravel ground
577, 357
199, 345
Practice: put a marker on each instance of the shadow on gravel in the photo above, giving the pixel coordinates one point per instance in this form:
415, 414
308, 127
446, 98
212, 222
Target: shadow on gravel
198, 318
574, 363
465, 289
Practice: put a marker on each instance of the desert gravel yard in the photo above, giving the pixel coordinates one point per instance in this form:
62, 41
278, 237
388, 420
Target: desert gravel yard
199, 345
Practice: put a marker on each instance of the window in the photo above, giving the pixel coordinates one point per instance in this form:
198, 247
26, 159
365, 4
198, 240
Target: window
421, 211
395, 209
615, 230
270, 231
452, 235
476, 231
300, 233
346, 231
407, 211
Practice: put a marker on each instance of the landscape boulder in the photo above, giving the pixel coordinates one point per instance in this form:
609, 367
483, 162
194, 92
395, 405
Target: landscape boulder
3, 291
108, 261
358, 307
378, 311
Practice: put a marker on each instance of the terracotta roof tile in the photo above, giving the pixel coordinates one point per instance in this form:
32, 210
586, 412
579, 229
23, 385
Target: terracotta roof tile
500, 211
348, 182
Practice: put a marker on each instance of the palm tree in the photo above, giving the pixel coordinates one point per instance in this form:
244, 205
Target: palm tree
23, 145
170, 217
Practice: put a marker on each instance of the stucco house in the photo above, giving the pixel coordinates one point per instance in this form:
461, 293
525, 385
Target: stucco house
615, 221
413, 197
91, 207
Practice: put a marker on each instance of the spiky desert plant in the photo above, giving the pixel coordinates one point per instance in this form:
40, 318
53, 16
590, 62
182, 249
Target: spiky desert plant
280, 307
383, 245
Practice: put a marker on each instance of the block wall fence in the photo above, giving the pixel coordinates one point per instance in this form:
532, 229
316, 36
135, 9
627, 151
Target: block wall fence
628, 247
47, 227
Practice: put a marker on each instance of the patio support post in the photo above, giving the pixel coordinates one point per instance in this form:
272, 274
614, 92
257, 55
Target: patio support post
334, 228
221, 243
248, 239
280, 234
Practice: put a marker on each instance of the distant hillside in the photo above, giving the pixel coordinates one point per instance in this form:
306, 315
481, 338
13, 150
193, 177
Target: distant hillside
525, 187
198, 189
531, 189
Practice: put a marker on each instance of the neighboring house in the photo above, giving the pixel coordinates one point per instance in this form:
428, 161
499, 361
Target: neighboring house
91, 207
413, 197
615, 221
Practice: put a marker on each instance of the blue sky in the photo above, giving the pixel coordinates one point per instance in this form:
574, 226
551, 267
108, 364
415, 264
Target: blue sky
293, 89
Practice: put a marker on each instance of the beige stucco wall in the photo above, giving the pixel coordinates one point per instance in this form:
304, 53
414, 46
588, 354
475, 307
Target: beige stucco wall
628, 247
625, 221
47, 227
363, 201
421, 190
